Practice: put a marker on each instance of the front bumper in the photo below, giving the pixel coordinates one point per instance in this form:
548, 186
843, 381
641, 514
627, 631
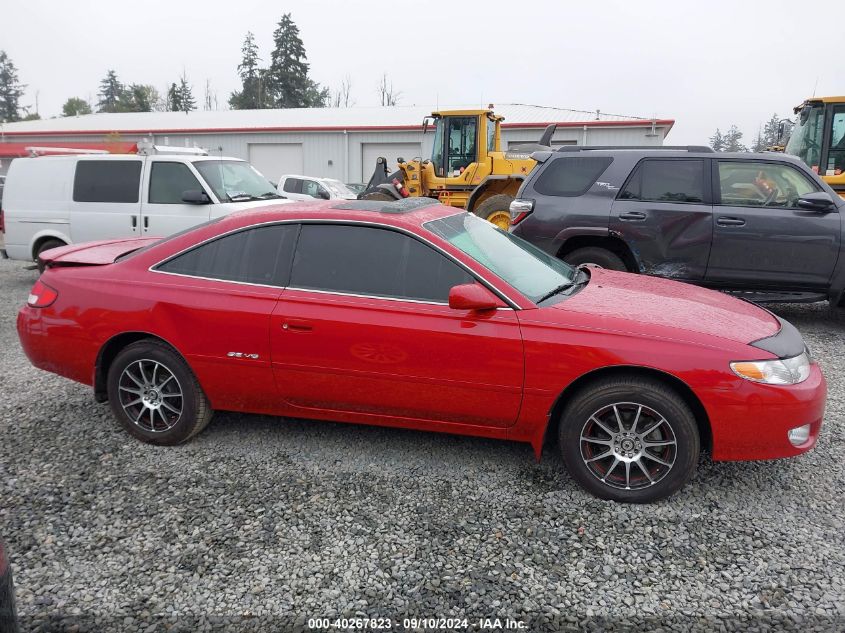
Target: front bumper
752, 421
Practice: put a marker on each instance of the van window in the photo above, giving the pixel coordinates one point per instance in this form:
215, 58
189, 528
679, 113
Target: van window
293, 185
168, 181
679, 180
107, 181
571, 177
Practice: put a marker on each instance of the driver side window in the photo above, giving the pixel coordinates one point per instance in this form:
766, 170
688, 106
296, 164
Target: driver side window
757, 184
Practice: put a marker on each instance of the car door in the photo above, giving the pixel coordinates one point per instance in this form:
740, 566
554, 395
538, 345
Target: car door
365, 327
218, 299
761, 238
664, 215
106, 201
163, 211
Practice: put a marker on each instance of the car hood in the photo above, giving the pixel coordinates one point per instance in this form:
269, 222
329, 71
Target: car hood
640, 304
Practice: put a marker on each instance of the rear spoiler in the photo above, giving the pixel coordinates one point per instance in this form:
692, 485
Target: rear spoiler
92, 253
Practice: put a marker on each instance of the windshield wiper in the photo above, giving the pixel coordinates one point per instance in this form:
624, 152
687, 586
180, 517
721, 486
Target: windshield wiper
269, 196
557, 290
241, 197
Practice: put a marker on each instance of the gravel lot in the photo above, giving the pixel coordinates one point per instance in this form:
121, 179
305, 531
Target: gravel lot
261, 524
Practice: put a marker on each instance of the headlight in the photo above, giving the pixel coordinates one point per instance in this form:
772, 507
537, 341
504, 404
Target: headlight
784, 371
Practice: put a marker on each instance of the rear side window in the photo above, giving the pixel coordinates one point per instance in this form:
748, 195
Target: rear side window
571, 177
168, 181
373, 262
258, 256
293, 185
107, 181
666, 181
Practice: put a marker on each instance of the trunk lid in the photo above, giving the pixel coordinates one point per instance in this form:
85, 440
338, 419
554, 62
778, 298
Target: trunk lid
98, 253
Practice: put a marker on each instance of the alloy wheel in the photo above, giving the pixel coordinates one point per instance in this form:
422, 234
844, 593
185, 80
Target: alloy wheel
150, 395
629, 446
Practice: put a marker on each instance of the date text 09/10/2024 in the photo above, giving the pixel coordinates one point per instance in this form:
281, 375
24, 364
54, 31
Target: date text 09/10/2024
429, 623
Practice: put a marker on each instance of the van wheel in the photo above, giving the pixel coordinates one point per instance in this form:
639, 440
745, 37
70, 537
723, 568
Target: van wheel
596, 256
46, 245
155, 395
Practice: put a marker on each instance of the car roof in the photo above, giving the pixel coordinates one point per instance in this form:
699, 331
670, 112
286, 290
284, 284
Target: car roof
408, 212
669, 152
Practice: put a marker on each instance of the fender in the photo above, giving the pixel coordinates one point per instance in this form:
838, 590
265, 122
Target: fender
576, 231
482, 186
47, 233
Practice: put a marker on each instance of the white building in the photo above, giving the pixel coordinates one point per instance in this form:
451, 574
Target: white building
340, 143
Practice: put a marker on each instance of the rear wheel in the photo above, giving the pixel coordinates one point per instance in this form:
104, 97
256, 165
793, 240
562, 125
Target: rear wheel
496, 209
155, 396
629, 439
596, 256
377, 195
46, 245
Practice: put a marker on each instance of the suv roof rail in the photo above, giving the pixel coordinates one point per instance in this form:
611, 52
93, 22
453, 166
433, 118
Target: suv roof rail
677, 148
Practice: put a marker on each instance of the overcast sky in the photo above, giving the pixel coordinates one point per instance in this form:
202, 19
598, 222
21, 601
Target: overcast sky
705, 65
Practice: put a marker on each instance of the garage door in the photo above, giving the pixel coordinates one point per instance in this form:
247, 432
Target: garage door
274, 160
391, 151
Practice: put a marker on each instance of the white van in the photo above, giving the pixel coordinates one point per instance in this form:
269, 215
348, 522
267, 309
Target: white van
50, 201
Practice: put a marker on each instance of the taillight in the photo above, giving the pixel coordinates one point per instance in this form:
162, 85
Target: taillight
41, 295
400, 188
520, 209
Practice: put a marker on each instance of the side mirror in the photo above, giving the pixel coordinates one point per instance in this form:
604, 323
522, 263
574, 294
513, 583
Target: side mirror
323, 194
473, 297
817, 201
195, 196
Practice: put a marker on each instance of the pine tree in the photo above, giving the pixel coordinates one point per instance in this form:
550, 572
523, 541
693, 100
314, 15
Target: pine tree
75, 106
759, 144
733, 140
770, 131
288, 84
11, 90
717, 141
174, 98
186, 95
111, 91
252, 94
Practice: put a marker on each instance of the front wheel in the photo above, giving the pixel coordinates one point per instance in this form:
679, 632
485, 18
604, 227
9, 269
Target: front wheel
496, 209
155, 395
629, 439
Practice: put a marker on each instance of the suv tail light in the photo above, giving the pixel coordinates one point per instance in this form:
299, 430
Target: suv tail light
520, 209
41, 295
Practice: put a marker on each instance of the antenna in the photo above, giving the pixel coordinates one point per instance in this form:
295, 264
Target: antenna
815, 85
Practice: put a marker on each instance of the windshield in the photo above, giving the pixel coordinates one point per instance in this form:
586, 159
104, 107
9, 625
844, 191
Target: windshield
235, 180
525, 267
337, 188
805, 142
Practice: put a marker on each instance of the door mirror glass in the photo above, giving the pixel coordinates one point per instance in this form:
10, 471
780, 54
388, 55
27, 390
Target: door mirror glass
473, 296
195, 196
819, 201
323, 194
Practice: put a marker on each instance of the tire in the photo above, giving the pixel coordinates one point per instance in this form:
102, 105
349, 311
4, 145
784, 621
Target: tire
654, 400
596, 255
158, 422
46, 245
377, 195
496, 209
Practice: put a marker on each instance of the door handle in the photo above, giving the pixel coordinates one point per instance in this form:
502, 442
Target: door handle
632, 215
292, 325
134, 222
726, 221
146, 222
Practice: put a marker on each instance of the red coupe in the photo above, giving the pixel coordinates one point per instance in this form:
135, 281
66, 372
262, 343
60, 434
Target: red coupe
416, 315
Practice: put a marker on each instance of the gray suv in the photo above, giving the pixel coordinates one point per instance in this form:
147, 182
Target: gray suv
761, 224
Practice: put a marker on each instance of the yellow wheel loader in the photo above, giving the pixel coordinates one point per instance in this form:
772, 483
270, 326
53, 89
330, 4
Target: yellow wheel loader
467, 168
818, 138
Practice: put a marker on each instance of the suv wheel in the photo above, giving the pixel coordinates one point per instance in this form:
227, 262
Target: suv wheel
629, 439
596, 256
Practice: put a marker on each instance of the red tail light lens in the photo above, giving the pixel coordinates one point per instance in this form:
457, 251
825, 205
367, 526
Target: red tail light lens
520, 209
41, 295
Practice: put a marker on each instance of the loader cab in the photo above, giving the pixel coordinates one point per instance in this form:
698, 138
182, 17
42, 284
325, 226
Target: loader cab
818, 138
462, 139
